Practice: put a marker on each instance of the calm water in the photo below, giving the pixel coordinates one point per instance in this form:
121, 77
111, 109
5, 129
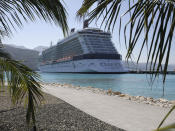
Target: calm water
133, 84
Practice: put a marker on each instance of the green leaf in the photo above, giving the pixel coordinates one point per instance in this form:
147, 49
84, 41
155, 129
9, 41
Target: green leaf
12, 13
151, 26
22, 83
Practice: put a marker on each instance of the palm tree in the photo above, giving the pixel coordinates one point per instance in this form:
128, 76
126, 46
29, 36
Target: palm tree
21, 80
151, 24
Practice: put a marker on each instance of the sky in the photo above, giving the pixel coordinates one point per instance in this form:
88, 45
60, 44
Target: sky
40, 33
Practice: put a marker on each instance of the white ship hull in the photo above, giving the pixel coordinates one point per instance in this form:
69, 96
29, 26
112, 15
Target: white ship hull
86, 66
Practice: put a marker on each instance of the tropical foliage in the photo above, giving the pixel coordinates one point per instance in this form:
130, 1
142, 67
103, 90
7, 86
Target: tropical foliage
22, 81
150, 25
153, 20
15, 12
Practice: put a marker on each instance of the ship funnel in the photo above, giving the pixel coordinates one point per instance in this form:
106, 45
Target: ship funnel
51, 44
86, 24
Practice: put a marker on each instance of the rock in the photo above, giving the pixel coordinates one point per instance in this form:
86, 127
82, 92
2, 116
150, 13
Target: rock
151, 103
149, 99
165, 105
103, 92
96, 90
172, 102
163, 100
156, 101
138, 97
170, 105
117, 93
122, 95
142, 98
109, 92
160, 104
133, 98
127, 97
146, 102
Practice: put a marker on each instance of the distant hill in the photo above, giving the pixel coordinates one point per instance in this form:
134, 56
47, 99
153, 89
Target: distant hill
16, 46
40, 49
28, 57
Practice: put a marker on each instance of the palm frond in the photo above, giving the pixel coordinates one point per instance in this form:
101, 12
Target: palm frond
22, 83
151, 24
13, 13
167, 128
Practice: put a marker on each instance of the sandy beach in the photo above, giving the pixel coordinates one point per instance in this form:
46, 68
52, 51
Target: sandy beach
122, 113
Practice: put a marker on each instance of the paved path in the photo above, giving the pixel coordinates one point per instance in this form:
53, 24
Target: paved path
121, 113
53, 115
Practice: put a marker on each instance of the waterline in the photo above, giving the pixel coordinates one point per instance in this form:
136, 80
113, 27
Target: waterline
133, 84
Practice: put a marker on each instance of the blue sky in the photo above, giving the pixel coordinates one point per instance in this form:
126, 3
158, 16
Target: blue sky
42, 33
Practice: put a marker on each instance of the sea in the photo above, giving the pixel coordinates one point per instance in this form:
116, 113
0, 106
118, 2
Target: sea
132, 84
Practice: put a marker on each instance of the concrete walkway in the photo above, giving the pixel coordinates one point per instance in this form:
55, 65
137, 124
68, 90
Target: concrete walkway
121, 113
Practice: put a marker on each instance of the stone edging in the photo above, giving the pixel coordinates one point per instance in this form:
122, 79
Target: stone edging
140, 99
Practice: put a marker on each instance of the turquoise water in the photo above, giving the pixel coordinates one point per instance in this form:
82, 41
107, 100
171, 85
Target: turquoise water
133, 84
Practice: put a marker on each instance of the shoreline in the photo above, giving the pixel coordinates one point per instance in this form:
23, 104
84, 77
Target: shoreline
117, 110
139, 99
129, 72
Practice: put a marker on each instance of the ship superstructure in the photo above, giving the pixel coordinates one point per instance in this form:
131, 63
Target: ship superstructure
88, 50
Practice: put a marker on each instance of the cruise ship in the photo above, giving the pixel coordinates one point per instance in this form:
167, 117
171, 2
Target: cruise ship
89, 50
